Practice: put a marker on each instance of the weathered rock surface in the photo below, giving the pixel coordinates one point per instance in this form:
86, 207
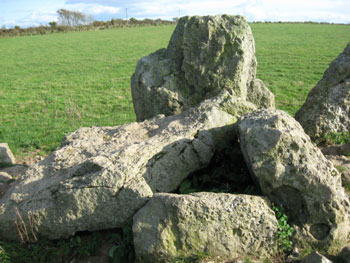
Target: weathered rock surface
292, 171
15, 171
315, 257
100, 177
327, 108
226, 225
6, 155
4, 177
342, 164
342, 149
205, 56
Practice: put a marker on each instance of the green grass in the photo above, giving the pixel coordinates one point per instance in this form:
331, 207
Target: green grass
293, 57
53, 84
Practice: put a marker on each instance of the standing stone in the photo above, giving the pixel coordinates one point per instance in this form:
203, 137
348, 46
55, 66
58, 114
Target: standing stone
327, 107
226, 225
6, 155
293, 172
205, 56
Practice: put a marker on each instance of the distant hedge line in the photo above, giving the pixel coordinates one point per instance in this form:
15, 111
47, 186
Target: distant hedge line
95, 25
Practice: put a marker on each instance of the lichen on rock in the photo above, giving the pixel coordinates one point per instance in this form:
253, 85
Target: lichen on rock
205, 56
231, 226
293, 172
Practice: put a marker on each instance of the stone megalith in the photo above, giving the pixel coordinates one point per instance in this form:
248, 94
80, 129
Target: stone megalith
101, 176
327, 107
205, 56
225, 225
293, 172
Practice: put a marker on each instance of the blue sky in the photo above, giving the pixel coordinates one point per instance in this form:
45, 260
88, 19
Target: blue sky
39, 12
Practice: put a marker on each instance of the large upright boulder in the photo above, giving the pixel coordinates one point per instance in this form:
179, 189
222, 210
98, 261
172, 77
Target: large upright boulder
205, 56
172, 226
101, 176
327, 107
293, 172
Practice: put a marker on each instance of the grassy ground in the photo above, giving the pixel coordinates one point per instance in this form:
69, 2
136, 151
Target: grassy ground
293, 57
53, 84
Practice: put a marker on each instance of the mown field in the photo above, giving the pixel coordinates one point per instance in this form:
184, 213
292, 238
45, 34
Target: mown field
53, 84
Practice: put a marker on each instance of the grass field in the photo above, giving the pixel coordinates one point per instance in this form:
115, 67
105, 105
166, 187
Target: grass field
53, 84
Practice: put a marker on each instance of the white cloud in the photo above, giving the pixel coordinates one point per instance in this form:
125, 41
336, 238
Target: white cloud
35, 18
93, 9
23, 13
254, 10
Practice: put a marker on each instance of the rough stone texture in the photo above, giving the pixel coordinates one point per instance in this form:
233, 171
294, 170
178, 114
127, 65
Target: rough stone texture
6, 155
315, 257
342, 163
4, 188
292, 171
327, 108
4, 177
101, 176
344, 255
205, 56
225, 225
343, 149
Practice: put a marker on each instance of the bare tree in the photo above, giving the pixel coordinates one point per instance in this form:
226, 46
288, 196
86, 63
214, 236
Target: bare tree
73, 18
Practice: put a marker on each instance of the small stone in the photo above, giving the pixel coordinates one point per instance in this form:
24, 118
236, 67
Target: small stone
4, 177
6, 155
315, 257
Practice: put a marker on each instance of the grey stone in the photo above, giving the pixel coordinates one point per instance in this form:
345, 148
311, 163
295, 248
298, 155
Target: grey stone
224, 225
343, 149
15, 171
327, 107
101, 176
293, 172
315, 257
205, 56
4, 177
6, 155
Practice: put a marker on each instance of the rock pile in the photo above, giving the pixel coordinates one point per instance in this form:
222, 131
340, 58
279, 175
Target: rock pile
204, 82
